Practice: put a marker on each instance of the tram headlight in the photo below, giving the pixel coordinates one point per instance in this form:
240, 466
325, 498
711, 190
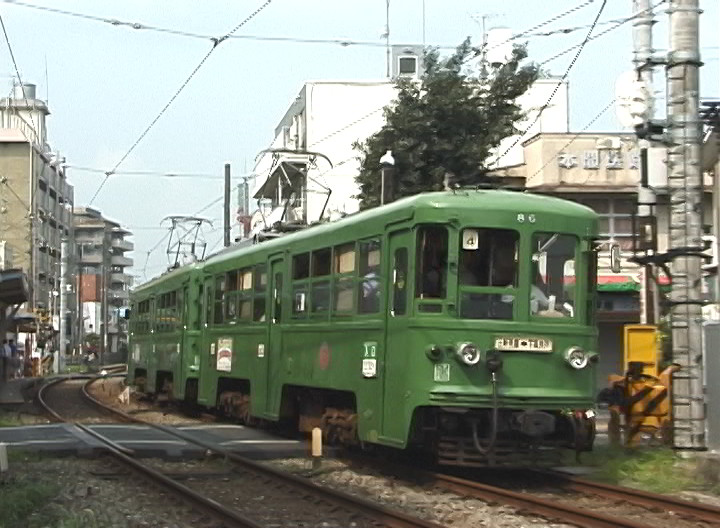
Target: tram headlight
468, 354
577, 358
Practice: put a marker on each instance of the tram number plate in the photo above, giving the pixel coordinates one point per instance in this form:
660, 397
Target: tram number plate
523, 344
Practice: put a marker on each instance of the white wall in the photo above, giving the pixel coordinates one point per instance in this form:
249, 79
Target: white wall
553, 119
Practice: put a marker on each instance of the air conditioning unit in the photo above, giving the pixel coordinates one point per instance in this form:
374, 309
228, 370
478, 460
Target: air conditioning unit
608, 143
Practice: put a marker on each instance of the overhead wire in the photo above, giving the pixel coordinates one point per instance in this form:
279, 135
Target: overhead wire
572, 139
201, 175
216, 43
17, 72
562, 79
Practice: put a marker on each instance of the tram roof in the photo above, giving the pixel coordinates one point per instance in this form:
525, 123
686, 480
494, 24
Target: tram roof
488, 200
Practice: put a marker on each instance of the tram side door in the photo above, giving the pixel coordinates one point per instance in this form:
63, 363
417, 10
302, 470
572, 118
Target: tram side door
397, 310
273, 348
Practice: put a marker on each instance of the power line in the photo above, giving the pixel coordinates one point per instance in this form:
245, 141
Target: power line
216, 43
202, 175
17, 72
200, 36
557, 86
619, 23
572, 140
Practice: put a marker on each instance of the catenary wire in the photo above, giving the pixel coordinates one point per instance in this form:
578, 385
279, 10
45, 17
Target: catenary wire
201, 175
572, 139
216, 43
17, 72
562, 79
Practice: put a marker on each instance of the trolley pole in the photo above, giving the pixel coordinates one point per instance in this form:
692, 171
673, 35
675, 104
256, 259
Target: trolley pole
642, 58
226, 207
686, 223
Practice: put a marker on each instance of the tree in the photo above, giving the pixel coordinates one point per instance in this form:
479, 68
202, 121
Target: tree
443, 129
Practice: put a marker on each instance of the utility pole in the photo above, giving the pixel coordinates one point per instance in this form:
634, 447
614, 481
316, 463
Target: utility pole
63, 295
387, 37
226, 208
642, 59
686, 223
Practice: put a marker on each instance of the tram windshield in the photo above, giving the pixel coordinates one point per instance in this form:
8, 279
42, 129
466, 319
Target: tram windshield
552, 290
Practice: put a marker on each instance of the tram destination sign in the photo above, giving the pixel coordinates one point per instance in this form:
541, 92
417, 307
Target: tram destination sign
523, 344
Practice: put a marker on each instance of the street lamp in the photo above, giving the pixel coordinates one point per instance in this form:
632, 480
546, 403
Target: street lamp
387, 163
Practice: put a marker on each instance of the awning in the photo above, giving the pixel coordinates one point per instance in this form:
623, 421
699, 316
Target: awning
13, 287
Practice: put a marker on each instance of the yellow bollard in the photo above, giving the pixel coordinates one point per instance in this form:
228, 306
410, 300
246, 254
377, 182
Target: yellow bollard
316, 448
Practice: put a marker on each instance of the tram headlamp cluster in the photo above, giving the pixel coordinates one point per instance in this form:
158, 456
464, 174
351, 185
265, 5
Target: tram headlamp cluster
578, 358
468, 354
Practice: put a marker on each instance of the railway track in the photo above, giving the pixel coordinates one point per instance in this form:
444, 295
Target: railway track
283, 494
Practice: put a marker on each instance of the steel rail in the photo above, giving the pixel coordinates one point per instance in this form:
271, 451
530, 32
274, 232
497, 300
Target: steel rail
122, 454
543, 507
388, 517
697, 510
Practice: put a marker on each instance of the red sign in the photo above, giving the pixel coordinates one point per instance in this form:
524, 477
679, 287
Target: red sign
324, 356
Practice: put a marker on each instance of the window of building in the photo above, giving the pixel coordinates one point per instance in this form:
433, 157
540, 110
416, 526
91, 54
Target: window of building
615, 218
431, 262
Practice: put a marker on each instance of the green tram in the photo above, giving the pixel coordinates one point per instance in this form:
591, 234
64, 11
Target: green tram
460, 323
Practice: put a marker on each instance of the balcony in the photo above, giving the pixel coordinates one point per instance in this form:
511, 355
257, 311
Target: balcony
91, 258
122, 278
117, 260
116, 295
123, 245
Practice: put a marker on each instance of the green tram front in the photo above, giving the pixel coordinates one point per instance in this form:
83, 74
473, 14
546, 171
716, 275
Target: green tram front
503, 309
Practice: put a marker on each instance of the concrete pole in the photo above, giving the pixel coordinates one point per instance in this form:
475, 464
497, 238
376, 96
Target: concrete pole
226, 207
686, 223
387, 37
642, 54
63, 295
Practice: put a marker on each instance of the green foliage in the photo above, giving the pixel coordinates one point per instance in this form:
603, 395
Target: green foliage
658, 470
443, 129
19, 499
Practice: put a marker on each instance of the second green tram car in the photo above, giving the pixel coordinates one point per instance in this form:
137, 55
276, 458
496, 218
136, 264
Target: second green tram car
457, 323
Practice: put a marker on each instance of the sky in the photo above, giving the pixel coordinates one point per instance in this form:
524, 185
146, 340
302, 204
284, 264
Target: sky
105, 83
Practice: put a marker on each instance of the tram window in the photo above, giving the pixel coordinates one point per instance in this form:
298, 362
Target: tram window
553, 275
260, 293
321, 262
245, 285
345, 258
490, 258
219, 297
431, 262
344, 270
299, 300
301, 266
344, 288
400, 274
320, 296
277, 298
369, 270
231, 299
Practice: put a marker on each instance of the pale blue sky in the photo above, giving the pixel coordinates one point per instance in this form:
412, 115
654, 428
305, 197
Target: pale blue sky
106, 83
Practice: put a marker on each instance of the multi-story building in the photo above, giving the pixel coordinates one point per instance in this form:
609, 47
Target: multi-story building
309, 172
36, 203
102, 283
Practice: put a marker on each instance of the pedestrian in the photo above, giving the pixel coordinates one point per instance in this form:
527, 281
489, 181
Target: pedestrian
16, 360
5, 363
